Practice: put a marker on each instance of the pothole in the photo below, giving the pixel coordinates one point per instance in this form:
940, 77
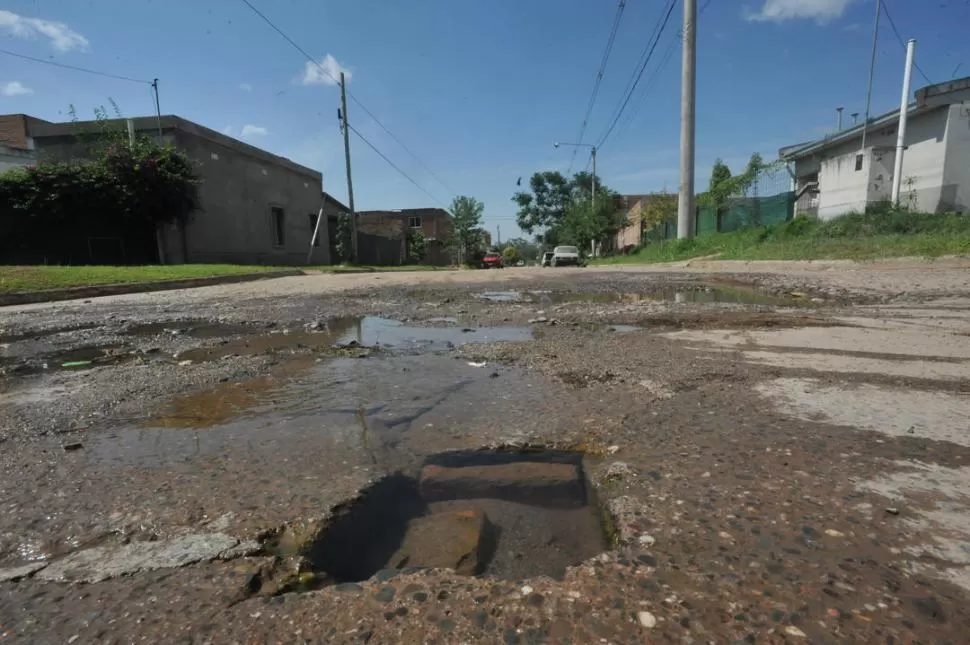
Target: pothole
81, 358
700, 293
503, 514
191, 329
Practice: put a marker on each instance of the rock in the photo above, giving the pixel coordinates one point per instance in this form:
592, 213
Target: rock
647, 619
833, 533
540, 319
613, 450
892, 510
314, 326
619, 470
71, 447
242, 550
526, 590
458, 540
102, 563
16, 573
537, 483
791, 630
647, 540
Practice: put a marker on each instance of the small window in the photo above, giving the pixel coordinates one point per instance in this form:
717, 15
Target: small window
313, 226
858, 162
277, 217
414, 221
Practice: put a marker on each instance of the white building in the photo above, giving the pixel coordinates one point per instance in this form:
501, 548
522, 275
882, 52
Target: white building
836, 175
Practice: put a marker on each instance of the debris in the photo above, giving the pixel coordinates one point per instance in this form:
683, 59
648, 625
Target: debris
791, 630
613, 450
892, 510
474, 364
647, 540
71, 447
833, 533
540, 319
647, 619
75, 363
619, 470
526, 590
184, 363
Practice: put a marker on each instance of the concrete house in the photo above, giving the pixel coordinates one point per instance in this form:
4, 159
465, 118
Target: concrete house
256, 207
836, 175
16, 145
434, 223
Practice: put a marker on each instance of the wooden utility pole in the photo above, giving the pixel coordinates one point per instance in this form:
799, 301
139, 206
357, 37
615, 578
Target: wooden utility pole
350, 182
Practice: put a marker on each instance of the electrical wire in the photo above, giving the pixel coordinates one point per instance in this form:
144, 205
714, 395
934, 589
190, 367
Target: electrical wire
599, 79
638, 74
357, 101
392, 165
892, 23
75, 68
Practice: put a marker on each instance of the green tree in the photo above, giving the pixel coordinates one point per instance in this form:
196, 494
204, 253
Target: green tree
546, 204
657, 208
525, 250
466, 220
343, 245
417, 246
724, 186
585, 223
510, 254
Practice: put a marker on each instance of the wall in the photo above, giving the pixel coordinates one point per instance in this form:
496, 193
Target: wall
14, 158
843, 188
955, 194
240, 183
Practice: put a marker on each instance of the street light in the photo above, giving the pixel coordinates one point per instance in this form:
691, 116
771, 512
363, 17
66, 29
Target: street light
592, 152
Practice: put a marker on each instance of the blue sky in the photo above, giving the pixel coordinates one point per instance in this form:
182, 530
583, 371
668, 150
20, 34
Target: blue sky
478, 89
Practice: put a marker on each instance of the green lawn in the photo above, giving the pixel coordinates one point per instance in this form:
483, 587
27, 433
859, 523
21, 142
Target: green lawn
853, 237
36, 278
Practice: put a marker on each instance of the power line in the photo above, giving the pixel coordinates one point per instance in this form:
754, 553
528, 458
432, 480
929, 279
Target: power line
599, 79
892, 23
638, 74
392, 164
76, 69
363, 107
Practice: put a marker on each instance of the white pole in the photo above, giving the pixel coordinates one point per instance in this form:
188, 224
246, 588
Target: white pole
313, 238
688, 87
903, 109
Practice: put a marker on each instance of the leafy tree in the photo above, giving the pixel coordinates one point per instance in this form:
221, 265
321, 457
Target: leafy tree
417, 246
546, 205
525, 250
723, 185
466, 220
510, 254
343, 245
585, 223
657, 208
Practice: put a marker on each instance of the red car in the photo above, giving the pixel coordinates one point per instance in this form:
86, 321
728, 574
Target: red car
492, 261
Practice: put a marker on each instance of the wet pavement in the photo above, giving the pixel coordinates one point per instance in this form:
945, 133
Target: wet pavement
565, 458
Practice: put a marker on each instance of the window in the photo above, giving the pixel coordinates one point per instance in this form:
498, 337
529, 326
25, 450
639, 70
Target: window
858, 162
313, 226
276, 215
414, 221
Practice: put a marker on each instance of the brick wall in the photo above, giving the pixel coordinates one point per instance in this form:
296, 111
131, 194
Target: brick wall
15, 130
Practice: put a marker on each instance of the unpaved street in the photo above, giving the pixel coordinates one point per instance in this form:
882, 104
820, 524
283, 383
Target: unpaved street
706, 453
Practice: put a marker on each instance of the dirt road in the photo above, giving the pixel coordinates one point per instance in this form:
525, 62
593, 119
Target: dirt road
701, 453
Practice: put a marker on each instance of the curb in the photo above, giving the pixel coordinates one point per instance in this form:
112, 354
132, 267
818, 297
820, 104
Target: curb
96, 291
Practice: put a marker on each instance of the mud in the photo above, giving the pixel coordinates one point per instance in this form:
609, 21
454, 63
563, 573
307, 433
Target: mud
752, 470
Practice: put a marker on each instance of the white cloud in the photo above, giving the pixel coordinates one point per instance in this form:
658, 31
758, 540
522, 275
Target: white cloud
779, 10
15, 88
250, 130
328, 75
246, 87
62, 37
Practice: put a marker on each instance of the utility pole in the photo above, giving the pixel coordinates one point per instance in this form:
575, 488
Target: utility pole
350, 184
903, 114
158, 110
592, 243
688, 94
872, 69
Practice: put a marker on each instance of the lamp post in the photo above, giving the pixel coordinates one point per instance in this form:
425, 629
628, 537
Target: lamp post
592, 152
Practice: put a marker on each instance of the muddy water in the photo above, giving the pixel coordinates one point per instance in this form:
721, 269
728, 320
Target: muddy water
706, 294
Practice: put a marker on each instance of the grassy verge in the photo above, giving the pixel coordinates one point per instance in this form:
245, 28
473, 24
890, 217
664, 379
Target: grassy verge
36, 278
855, 236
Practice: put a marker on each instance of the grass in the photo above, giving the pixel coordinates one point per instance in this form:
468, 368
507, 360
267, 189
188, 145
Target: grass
15, 279
885, 233
36, 278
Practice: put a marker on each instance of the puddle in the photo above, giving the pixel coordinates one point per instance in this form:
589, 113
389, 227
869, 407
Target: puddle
623, 329
191, 329
507, 515
704, 294
73, 360
368, 331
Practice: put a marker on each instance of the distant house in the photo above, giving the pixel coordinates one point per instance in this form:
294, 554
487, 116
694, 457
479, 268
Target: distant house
256, 207
433, 223
836, 175
16, 144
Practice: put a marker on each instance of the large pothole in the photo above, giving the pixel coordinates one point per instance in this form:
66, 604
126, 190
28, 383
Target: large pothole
510, 515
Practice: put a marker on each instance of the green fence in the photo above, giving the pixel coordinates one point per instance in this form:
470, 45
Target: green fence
740, 213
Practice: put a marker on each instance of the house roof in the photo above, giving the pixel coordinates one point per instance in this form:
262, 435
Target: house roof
327, 197
405, 212
927, 99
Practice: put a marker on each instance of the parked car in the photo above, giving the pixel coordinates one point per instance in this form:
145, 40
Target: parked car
546, 259
492, 261
564, 256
